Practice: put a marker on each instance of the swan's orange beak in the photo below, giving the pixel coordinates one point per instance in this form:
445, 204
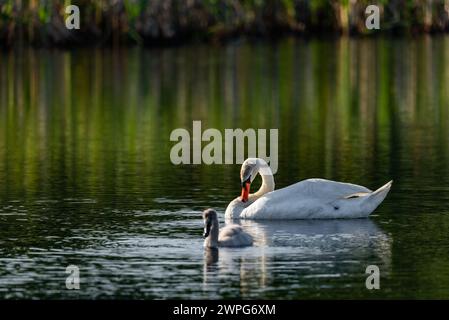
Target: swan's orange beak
245, 191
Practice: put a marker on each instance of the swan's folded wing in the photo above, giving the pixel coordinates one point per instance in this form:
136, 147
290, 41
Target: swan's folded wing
322, 189
305, 199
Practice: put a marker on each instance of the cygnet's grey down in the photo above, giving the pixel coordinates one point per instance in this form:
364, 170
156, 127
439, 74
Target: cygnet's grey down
232, 235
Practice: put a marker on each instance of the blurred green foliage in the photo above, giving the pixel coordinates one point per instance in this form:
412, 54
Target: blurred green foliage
156, 21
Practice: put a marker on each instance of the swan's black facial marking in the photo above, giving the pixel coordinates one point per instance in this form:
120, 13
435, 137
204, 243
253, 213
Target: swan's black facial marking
249, 168
336, 207
246, 181
246, 174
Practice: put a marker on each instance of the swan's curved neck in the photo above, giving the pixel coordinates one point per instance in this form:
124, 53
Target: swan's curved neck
267, 184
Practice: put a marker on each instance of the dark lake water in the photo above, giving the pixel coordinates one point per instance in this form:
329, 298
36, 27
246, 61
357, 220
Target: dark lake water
86, 177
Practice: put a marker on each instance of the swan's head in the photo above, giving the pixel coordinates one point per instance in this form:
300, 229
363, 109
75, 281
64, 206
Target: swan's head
209, 217
250, 168
248, 172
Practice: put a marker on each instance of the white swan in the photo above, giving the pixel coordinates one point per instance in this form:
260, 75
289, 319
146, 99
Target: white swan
308, 199
230, 236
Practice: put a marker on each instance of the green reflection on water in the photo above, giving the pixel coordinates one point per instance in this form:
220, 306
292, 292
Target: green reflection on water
84, 134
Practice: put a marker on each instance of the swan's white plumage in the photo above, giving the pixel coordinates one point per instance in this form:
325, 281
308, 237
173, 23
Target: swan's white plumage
310, 199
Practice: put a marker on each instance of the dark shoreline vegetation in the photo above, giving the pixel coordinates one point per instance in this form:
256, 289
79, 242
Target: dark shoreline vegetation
158, 22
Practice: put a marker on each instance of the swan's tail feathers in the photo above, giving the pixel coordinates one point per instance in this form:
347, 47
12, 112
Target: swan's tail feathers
384, 189
376, 198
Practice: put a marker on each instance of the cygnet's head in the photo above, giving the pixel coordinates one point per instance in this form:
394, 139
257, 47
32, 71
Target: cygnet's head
209, 217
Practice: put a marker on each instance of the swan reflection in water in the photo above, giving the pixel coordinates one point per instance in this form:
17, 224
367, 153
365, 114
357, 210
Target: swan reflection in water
297, 253
210, 256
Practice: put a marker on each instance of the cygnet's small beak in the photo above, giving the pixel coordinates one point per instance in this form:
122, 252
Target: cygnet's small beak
206, 229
